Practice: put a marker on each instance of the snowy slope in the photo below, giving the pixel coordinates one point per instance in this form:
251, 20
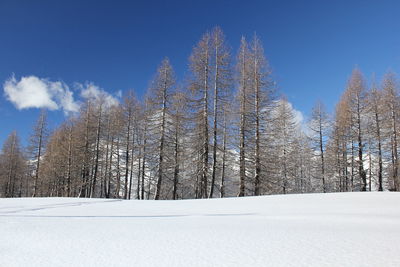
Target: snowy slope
342, 229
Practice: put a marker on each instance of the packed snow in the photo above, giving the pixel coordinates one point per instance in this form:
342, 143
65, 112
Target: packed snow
339, 229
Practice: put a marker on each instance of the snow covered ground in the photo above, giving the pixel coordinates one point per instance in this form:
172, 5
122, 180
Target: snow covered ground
341, 229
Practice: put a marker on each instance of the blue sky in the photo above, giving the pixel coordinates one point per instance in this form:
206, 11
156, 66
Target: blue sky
312, 46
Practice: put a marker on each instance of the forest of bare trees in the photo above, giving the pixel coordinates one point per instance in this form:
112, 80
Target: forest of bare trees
224, 131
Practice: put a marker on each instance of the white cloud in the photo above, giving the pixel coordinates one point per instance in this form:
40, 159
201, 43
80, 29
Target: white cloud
68, 103
34, 92
93, 92
119, 93
300, 120
29, 92
298, 115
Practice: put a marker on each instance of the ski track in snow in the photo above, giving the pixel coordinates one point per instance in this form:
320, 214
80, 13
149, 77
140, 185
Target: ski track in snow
339, 229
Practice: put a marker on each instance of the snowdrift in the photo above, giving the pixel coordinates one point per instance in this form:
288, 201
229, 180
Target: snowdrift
339, 229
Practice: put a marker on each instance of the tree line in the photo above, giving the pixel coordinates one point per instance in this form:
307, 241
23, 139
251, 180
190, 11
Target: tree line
222, 132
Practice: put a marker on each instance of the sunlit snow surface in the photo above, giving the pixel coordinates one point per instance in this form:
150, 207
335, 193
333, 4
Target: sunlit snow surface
342, 229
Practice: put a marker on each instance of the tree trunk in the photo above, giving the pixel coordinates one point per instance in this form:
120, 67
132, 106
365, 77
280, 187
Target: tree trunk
144, 160
257, 165
321, 149
162, 139
242, 159
361, 170
128, 132
176, 161
118, 181
96, 164
39, 155
222, 187
204, 173
215, 115
131, 167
